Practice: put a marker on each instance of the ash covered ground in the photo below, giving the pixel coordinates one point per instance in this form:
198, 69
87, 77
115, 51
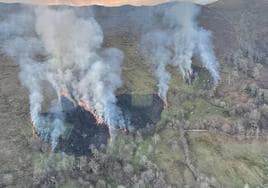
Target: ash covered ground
201, 139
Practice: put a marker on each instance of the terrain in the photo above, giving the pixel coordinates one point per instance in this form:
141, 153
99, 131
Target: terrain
204, 137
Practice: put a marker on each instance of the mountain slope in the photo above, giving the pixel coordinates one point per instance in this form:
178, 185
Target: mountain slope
204, 138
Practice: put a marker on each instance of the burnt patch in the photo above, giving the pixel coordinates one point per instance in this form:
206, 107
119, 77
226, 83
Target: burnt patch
82, 131
141, 110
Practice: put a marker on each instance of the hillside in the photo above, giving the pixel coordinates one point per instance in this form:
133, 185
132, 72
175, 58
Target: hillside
203, 138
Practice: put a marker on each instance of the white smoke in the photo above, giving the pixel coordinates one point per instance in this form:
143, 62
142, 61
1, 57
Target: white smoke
177, 43
57, 47
160, 57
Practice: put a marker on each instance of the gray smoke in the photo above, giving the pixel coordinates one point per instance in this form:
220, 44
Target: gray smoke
56, 47
158, 43
177, 42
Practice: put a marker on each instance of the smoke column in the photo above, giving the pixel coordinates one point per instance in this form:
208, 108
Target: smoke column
160, 56
56, 47
177, 42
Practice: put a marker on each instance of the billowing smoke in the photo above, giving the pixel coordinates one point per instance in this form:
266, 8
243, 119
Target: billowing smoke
62, 51
158, 44
55, 47
177, 42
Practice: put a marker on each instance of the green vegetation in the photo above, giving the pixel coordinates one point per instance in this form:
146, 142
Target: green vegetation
45, 163
231, 162
169, 156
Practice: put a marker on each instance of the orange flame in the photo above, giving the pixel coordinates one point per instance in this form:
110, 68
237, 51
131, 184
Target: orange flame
64, 94
84, 104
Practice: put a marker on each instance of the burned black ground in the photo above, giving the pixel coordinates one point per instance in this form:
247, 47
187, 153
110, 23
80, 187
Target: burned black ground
82, 131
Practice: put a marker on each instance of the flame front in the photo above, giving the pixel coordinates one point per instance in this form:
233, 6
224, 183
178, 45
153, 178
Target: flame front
84, 104
87, 107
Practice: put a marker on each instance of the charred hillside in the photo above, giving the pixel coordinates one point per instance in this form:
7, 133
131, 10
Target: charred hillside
82, 131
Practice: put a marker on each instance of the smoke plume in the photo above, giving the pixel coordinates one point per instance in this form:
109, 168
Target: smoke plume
55, 47
177, 42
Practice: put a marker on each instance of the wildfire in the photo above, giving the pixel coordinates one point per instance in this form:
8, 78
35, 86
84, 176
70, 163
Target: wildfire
165, 102
84, 104
164, 99
64, 94
34, 132
68, 96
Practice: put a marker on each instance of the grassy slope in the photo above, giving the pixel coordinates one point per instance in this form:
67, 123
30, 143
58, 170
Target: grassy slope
231, 162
